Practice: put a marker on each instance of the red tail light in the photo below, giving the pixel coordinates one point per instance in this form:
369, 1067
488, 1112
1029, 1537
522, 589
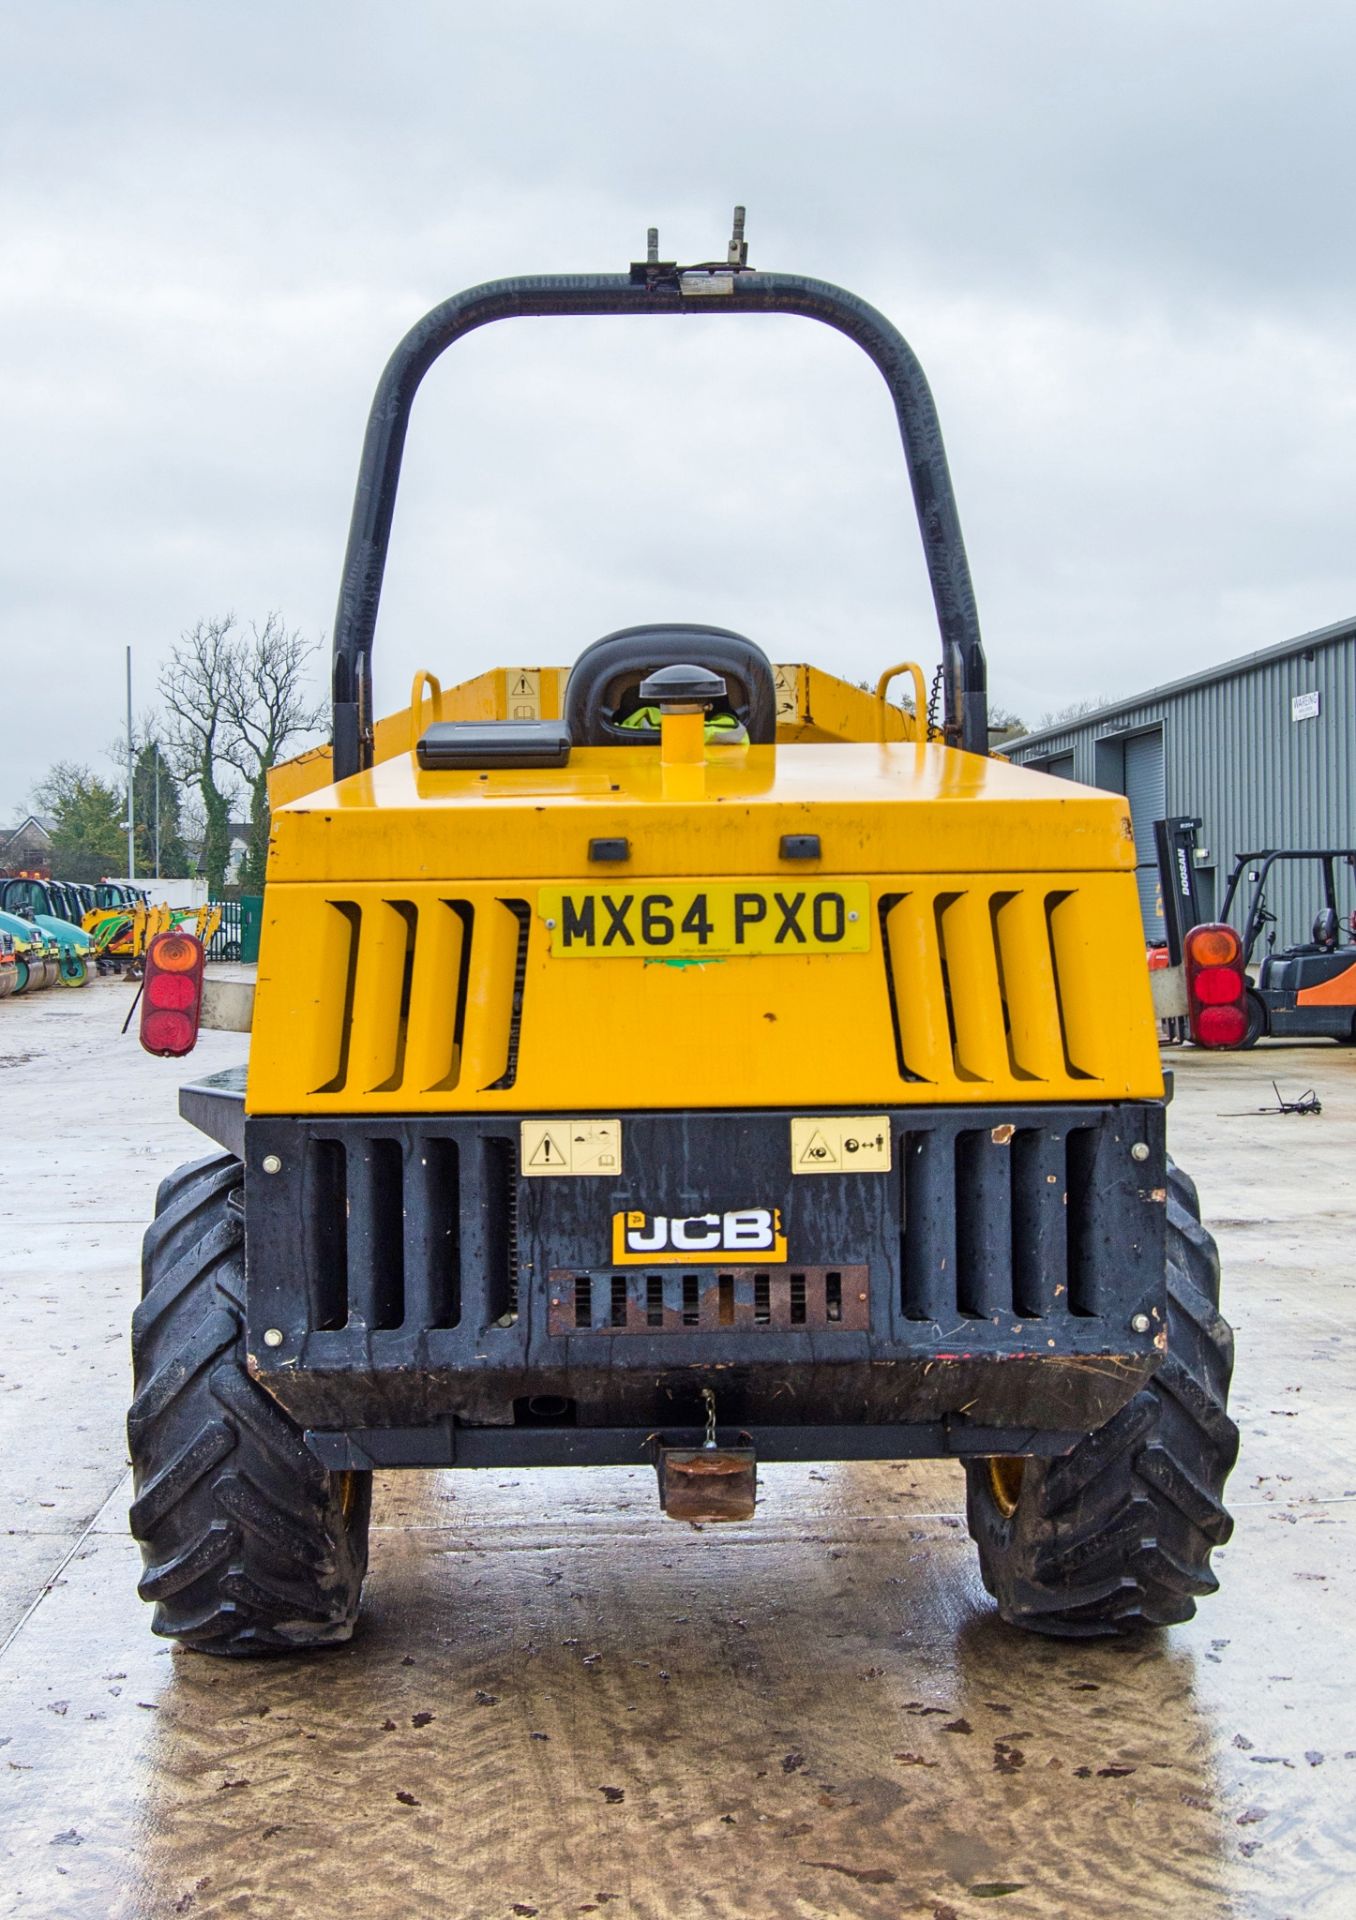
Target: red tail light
171, 994
1216, 986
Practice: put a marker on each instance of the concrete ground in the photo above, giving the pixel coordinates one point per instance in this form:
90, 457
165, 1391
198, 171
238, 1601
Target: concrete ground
560, 1703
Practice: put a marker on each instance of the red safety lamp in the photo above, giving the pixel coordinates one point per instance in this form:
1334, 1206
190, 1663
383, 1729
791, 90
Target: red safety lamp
171, 994
1216, 986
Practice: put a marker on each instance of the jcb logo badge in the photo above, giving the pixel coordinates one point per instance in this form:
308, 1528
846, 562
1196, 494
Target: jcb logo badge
648, 1239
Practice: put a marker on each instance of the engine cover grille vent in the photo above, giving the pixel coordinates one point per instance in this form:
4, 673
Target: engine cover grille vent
706, 1300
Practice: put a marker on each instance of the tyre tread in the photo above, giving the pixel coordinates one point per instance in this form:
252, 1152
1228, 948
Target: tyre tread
247, 1542
1117, 1534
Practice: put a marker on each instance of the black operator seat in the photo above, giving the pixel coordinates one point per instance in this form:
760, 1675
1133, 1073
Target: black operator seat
604, 686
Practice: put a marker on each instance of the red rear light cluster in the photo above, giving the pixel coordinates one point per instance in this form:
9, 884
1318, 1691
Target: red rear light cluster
1216, 986
171, 995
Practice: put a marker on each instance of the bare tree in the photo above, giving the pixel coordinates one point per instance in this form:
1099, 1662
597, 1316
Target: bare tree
196, 686
236, 702
1076, 709
1004, 724
268, 707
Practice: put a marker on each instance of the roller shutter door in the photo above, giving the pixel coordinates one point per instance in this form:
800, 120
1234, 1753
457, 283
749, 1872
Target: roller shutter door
1059, 763
1144, 789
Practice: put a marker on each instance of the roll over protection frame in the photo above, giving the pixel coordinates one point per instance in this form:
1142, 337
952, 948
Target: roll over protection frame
652, 287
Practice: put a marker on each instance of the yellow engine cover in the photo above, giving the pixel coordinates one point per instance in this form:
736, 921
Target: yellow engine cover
414, 955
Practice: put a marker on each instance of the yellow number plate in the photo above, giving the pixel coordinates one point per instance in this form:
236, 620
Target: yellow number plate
715, 921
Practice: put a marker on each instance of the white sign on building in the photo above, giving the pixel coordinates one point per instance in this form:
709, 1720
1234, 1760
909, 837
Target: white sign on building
1304, 706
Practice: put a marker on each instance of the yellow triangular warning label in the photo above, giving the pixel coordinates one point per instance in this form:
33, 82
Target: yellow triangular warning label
818, 1152
549, 1153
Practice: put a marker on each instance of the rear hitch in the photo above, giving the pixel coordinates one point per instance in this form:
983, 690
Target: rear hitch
707, 1483
710, 1481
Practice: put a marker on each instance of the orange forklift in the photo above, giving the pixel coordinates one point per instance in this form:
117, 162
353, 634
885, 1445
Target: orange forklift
1306, 991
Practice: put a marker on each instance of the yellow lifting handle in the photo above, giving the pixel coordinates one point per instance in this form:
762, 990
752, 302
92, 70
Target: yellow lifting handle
423, 679
920, 696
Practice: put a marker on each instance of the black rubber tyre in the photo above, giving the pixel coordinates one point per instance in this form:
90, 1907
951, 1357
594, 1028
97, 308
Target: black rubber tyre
1258, 1023
250, 1544
1116, 1535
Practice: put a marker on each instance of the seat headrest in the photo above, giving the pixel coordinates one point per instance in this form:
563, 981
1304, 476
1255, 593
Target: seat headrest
1325, 927
603, 685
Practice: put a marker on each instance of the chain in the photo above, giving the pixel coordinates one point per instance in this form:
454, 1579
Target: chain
934, 701
710, 1400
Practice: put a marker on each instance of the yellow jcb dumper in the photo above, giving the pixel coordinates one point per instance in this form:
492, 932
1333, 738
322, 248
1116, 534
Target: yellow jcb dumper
690, 1058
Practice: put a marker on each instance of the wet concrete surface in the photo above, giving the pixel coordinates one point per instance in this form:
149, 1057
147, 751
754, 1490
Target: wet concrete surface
560, 1703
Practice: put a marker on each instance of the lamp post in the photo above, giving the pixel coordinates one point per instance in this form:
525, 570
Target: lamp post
131, 803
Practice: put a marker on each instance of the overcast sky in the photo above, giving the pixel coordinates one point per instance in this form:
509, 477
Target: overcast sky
1117, 232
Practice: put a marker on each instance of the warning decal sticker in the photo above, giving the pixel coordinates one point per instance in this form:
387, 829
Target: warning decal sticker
522, 686
562, 1147
840, 1143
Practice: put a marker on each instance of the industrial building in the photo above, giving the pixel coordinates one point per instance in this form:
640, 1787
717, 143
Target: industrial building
1262, 750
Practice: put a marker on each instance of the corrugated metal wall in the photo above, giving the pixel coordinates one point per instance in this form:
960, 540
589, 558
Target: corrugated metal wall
1234, 757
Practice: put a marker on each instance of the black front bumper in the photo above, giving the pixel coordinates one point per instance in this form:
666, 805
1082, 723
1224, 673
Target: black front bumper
413, 1299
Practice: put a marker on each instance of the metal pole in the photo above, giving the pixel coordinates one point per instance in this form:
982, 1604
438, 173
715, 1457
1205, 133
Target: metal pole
157, 809
131, 805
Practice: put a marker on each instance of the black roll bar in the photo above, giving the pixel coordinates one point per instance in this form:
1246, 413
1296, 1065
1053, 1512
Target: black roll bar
1264, 860
652, 287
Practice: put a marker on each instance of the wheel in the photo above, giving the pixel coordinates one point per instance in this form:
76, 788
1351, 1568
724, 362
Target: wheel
74, 971
1116, 1535
21, 975
1258, 1024
249, 1542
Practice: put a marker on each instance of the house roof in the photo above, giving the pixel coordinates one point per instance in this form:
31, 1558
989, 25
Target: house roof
33, 826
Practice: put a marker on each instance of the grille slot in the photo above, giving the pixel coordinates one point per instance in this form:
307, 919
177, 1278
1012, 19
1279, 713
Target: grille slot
380, 1233
983, 1226
998, 1227
439, 985
433, 1269
744, 1298
522, 913
499, 1190
394, 1014
973, 981
376, 1238
324, 1233
408, 914
338, 955
1081, 1222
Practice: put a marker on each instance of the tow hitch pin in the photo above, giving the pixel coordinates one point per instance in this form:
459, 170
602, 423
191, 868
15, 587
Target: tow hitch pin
709, 1482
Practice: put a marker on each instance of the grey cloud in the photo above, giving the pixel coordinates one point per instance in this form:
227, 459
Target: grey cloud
1116, 234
